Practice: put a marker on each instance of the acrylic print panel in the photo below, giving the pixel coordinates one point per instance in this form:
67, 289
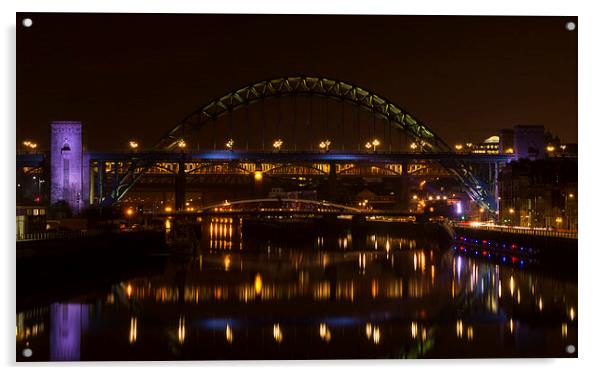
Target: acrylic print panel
203, 187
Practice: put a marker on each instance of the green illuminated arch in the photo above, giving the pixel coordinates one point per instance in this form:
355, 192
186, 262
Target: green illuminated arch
382, 108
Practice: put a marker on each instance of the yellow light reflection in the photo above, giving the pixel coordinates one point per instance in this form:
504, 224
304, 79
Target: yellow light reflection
133, 330
432, 274
414, 329
564, 330
469, 333
374, 288
277, 333
181, 329
572, 313
376, 335
368, 330
227, 262
229, 334
459, 328
258, 284
511, 286
324, 332
128, 290
540, 304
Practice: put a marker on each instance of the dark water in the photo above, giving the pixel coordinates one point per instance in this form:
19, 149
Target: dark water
378, 294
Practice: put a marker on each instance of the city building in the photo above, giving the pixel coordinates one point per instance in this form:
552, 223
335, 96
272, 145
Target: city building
30, 219
539, 193
488, 146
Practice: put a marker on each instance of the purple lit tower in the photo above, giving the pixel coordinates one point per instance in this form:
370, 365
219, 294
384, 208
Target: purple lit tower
65, 331
66, 156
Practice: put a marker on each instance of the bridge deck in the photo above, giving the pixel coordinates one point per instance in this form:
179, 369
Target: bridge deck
289, 156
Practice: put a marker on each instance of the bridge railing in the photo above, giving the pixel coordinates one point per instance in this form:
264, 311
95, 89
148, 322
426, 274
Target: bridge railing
40, 236
541, 232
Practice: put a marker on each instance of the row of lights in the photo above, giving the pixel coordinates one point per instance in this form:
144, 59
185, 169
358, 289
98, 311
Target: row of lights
30, 145
278, 143
549, 148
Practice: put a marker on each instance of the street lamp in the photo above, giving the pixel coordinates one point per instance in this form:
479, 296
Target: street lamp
133, 145
413, 146
230, 144
182, 144
324, 145
30, 145
372, 145
278, 144
458, 147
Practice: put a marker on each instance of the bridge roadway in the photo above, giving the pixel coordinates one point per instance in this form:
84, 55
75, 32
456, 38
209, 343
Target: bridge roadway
311, 209
296, 156
34, 160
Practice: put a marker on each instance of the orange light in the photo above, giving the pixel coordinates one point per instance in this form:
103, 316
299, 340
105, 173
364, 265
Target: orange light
168, 209
258, 284
129, 212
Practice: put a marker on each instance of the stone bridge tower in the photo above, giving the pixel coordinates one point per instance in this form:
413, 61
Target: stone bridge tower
67, 172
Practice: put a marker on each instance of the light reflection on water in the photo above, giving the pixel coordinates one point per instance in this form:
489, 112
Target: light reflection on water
372, 295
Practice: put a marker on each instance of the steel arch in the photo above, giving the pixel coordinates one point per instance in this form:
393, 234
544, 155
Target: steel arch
282, 200
305, 85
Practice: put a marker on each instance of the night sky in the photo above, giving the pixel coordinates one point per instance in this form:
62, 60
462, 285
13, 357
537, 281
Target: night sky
135, 76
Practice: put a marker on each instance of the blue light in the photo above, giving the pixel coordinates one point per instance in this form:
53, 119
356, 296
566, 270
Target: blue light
459, 208
217, 323
341, 321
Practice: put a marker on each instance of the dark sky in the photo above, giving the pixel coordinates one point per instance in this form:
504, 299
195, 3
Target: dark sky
135, 76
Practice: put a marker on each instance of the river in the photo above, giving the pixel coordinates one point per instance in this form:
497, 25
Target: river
309, 294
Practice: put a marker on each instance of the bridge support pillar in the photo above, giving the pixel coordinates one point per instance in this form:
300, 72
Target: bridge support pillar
181, 187
100, 181
402, 190
68, 178
332, 182
258, 181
